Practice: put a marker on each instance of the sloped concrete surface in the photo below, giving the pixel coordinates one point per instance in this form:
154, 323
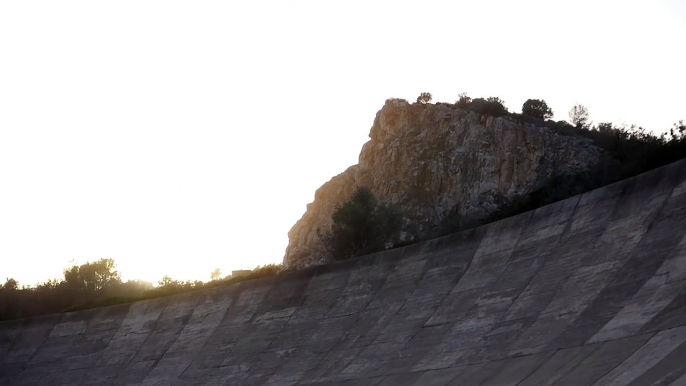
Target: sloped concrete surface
587, 291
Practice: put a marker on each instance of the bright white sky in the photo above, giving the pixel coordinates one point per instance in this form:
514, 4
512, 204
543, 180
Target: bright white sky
181, 136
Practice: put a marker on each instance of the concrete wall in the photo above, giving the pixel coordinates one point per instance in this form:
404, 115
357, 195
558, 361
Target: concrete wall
588, 291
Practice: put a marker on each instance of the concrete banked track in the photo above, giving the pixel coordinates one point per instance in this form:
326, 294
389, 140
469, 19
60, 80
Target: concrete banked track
587, 291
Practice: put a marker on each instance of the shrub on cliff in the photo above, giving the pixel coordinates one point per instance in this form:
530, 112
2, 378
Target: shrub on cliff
424, 98
579, 117
536, 108
491, 106
463, 101
361, 225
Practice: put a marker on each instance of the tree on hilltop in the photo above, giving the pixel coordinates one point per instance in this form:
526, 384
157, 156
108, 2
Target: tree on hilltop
424, 98
92, 276
490, 106
578, 115
463, 100
10, 284
536, 108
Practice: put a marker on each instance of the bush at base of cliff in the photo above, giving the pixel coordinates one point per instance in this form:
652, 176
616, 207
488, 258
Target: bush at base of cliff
361, 225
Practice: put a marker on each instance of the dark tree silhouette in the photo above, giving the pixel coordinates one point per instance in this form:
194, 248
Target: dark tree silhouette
10, 284
491, 106
578, 115
463, 100
537, 109
424, 98
498, 101
92, 276
361, 225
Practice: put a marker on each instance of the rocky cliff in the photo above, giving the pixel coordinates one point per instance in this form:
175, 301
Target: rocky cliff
430, 159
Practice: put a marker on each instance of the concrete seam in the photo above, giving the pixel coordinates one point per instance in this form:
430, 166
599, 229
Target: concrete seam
635, 250
248, 323
102, 352
514, 247
469, 264
599, 345
33, 354
157, 361
416, 282
152, 330
519, 238
539, 367
521, 356
302, 301
236, 295
560, 288
358, 318
564, 232
276, 336
16, 331
451, 379
625, 359
209, 335
467, 269
457, 281
318, 322
658, 329
486, 361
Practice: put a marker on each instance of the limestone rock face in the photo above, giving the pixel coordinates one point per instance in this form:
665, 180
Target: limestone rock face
432, 158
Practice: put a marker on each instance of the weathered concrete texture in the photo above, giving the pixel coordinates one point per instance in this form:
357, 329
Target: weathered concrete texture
588, 291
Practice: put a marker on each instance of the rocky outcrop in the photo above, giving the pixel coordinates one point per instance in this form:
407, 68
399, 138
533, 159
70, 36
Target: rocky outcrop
430, 159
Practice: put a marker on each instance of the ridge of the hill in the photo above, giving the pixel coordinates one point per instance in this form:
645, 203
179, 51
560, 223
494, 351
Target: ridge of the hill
430, 159
587, 291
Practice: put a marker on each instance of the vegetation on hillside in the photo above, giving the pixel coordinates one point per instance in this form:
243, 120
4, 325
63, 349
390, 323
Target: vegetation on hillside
424, 98
361, 225
97, 284
579, 116
538, 109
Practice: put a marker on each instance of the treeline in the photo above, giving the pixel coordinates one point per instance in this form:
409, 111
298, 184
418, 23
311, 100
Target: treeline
97, 284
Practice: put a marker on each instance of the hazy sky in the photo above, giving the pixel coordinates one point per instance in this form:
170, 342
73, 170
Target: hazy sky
181, 136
